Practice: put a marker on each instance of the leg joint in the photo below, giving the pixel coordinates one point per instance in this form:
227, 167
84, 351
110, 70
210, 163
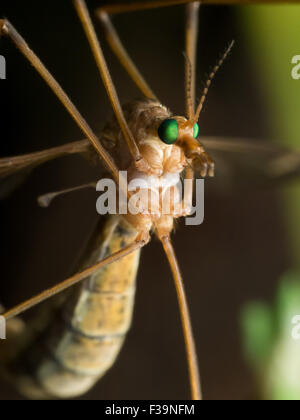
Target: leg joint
4, 27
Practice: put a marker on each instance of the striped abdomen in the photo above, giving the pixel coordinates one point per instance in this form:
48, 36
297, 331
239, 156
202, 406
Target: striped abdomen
85, 335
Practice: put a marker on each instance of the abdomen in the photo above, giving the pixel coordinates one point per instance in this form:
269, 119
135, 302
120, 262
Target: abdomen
85, 335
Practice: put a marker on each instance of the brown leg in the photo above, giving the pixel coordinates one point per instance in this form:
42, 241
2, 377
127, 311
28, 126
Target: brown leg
11, 165
7, 29
89, 29
185, 319
135, 5
192, 21
119, 50
192, 13
72, 281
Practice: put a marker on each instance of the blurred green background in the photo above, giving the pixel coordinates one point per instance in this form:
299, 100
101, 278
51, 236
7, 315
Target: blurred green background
274, 36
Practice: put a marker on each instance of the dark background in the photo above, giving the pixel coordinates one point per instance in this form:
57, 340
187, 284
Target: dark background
237, 255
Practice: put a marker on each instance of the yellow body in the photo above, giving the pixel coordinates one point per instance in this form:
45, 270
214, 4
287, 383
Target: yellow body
83, 337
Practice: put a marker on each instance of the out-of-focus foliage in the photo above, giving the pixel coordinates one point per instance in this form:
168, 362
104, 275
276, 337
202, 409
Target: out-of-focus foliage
274, 36
270, 347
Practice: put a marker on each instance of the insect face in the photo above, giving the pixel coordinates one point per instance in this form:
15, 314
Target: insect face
184, 133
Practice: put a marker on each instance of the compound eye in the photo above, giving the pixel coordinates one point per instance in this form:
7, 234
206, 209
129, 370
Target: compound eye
196, 131
168, 131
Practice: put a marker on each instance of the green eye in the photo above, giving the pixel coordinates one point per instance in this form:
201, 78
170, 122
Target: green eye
196, 131
168, 131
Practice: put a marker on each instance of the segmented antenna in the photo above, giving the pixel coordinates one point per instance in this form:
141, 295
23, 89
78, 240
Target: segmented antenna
188, 87
210, 79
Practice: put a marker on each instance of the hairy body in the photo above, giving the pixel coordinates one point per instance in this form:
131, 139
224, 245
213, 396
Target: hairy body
160, 197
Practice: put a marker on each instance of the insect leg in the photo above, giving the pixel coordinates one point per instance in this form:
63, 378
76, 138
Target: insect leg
11, 165
89, 29
192, 23
186, 321
119, 50
114, 41
7, 29
19, 309
134, 5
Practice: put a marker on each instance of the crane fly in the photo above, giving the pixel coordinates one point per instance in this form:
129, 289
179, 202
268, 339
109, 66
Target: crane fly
85, 327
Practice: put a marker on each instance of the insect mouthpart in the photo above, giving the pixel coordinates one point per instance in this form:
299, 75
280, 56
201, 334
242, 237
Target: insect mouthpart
200, 161
203, 164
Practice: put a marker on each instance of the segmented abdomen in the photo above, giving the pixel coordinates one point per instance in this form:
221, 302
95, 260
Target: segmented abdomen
86, 334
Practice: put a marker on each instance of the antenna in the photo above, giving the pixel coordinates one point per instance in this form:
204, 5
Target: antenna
209, 81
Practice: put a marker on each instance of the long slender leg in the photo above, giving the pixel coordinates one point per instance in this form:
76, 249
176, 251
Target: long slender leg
186, 321
72, 281
192, 22
135, 5
7, 29
191, 44
10, 165
88, 26
119, 50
